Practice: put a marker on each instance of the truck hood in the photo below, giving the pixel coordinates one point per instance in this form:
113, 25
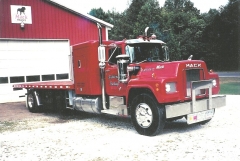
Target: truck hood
168, 69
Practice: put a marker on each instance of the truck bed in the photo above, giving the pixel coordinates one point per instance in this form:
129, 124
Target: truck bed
46, 85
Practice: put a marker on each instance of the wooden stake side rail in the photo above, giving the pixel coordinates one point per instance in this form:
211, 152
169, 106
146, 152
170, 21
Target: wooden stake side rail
46, 85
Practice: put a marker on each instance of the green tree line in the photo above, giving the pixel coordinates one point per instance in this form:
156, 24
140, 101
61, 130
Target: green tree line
213, 37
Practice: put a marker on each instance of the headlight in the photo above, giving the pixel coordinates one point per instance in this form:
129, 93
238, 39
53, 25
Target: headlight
214, 82
170, 87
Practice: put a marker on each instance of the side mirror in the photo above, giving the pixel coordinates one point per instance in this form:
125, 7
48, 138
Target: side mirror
101, 54
122, 62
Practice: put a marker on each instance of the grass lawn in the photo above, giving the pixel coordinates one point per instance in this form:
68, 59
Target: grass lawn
230, 86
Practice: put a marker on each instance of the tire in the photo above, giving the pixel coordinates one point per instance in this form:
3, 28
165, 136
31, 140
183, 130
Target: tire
31, 102
147, 116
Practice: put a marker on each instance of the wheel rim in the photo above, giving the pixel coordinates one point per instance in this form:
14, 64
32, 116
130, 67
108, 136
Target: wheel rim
144, 115
30, 100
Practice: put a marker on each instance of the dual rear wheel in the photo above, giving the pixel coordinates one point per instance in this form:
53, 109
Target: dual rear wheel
49, 100
32, 103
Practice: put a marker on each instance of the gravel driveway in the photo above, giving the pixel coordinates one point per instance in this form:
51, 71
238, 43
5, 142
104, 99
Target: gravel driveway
101, 138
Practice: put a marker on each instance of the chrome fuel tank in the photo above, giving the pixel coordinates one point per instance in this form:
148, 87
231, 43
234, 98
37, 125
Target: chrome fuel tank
92, 105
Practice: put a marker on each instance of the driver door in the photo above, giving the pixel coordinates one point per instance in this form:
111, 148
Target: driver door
113, 86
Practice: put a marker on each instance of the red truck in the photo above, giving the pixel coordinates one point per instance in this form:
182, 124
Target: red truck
131, 78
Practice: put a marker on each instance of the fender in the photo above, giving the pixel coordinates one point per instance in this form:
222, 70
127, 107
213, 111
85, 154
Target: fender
147, 84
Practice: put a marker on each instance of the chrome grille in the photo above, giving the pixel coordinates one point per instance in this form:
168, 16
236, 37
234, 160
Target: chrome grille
193, 75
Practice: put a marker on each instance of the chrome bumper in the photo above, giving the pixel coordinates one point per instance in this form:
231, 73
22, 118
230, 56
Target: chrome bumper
181, 109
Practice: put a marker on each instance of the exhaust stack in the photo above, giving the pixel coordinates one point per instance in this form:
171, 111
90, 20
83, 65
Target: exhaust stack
101, 59
146, 30
99, 33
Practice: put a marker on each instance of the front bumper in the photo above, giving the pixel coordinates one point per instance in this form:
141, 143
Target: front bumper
185, 108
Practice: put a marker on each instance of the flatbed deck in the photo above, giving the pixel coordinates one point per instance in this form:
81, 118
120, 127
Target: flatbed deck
46, 85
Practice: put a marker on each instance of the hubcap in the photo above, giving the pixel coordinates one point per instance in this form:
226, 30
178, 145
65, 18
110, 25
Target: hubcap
30, 101
144, 115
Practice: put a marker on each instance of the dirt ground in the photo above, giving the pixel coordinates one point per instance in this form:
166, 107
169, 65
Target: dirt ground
15, 116
15, 111
82, 136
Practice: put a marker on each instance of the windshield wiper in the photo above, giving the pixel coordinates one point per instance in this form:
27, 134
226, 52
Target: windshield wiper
141, 61
159, 60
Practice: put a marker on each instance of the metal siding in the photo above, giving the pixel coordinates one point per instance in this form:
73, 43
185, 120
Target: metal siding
25, 58
48, 22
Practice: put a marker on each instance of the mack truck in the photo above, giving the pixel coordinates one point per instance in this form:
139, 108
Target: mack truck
131, 78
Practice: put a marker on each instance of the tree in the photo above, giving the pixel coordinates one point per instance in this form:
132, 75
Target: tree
222, 37
100, 14
180, 5
213, 36
118, 32
133, 21
131, 17
185, 26
148, 16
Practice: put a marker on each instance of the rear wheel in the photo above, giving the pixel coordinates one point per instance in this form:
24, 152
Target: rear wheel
31, 102
148, 117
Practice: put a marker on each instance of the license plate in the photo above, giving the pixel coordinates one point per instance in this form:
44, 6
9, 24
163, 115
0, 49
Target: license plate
200, 116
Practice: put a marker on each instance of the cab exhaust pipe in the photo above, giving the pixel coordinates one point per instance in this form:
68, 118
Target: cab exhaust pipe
101, 59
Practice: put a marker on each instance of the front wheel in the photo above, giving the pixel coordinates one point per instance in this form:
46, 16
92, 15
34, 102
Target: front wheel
147, 116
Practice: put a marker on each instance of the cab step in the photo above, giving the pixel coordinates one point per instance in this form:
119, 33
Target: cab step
115, 112
69, 107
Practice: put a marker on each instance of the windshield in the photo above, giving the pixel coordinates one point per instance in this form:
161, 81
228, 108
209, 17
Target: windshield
145, 52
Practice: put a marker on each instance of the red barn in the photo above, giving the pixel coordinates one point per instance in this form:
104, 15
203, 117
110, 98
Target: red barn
35, 40
49, 20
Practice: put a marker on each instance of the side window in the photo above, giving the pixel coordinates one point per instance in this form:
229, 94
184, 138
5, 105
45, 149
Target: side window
130, 53
112, 53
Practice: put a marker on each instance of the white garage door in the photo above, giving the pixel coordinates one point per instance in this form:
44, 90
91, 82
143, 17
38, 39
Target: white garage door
31, 61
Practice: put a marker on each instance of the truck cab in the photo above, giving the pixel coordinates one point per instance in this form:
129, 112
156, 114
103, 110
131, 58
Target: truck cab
139, 70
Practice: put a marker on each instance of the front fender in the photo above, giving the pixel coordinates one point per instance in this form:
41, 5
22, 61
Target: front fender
137, 87
156, 87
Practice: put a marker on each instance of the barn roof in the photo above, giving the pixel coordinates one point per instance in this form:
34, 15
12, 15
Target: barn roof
81, 14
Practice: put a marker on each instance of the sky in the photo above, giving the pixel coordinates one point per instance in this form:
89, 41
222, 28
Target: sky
120, 5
